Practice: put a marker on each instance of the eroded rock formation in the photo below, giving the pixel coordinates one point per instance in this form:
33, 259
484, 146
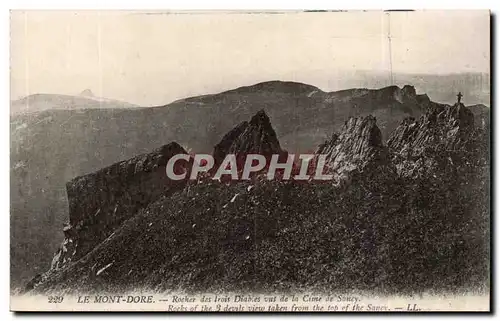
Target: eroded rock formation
99, 202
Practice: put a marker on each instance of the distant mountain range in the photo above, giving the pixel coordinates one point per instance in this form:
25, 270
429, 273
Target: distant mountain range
41, 102
440, 88
70, 136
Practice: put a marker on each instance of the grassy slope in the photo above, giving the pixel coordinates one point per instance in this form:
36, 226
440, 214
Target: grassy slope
377, 233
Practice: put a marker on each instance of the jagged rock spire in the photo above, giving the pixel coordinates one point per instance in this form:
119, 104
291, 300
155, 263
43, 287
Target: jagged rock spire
430, 142
358, 145
254, 137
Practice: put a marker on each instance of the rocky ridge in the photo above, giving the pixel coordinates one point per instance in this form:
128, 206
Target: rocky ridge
303, 116
274, 234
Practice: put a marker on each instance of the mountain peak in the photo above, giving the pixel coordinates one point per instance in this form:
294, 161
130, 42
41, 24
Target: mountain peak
87, 93
260, 118
278, 86
254, 137
358, 145
409, 90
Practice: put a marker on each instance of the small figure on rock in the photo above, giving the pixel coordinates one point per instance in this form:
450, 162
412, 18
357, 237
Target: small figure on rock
459, 97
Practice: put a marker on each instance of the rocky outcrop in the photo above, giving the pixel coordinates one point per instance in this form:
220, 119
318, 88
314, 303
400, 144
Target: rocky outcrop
407, 95
223, 147
358, 146
101, 201
443, 129
300, 114
254, 137
263, 234
442, 125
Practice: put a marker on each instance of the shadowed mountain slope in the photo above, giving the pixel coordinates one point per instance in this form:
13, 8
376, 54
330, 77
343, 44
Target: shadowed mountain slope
392, 233
51, 147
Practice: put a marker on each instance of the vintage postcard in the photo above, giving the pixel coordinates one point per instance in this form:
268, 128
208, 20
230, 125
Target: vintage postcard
250, 161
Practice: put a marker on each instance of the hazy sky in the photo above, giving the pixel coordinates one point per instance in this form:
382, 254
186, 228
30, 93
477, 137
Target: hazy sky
152, 59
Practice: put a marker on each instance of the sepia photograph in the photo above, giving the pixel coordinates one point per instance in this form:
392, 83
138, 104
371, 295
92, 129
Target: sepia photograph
250, 161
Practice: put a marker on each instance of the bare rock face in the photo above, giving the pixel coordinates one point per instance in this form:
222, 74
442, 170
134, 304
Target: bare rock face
223, 147
417, 144
101, 201
359, 146
254, 137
